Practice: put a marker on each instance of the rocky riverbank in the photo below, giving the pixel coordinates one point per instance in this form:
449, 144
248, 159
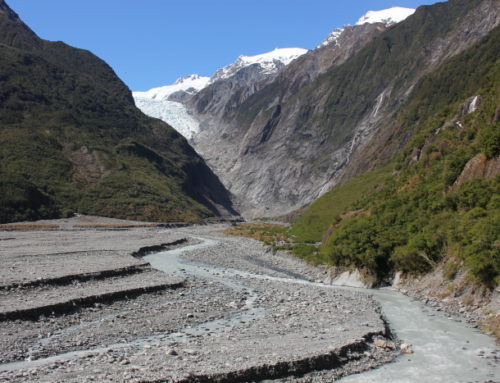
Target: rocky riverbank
231, 312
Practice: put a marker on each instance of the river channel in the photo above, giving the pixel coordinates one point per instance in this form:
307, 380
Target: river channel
445, 350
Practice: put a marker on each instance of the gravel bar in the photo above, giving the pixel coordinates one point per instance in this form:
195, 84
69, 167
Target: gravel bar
242, 314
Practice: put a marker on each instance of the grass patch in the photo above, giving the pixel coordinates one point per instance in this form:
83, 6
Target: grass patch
312, 225
28, 227
276, 236
270, 234
492, 325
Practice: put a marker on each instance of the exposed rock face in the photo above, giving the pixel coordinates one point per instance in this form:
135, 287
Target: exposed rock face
240, 114
324, 117
89, 165
226, 94
479, 167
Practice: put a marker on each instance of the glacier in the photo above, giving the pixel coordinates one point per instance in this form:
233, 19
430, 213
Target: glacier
173, 113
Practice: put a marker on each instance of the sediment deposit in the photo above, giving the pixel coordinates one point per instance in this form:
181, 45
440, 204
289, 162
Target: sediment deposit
77, 307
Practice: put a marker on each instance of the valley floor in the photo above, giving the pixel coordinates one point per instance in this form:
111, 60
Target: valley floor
77, 307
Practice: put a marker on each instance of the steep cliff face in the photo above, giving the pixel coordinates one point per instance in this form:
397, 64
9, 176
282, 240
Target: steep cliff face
232, 85
474, 20
325, 116
238, 125
220, 102
71, 140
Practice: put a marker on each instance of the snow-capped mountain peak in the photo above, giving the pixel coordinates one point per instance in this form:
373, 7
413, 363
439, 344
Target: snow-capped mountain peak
284, 55
387, 16
190, 84
332, 38
270, 62
191, 80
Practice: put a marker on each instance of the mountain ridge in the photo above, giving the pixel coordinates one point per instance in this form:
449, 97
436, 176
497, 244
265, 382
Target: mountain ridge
170, 103
157, 102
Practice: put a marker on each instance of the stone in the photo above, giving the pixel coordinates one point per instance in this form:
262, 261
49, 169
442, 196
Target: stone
171, 351
406, 348
380, 343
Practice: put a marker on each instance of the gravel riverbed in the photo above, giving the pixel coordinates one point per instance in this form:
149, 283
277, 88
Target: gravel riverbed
227, 310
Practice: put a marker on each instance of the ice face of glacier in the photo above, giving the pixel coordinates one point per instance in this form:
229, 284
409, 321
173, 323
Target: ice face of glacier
173, 113
162, 103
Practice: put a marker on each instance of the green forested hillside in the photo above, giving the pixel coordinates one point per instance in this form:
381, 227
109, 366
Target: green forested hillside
416, 211
72, 140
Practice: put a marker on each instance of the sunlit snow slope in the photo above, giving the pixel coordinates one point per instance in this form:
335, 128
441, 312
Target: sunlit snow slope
387, 16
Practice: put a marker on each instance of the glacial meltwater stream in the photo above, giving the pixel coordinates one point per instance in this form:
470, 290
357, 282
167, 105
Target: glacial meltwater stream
444, 350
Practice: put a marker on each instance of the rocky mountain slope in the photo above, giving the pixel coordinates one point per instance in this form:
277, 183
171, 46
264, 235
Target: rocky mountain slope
325, 116
71, 140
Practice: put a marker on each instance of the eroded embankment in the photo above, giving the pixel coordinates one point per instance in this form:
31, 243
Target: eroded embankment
55, 300
28, 299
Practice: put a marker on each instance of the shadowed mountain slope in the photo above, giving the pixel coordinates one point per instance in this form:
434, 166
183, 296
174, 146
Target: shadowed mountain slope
72, 140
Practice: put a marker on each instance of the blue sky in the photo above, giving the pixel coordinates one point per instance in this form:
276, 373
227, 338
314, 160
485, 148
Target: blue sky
151, 43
